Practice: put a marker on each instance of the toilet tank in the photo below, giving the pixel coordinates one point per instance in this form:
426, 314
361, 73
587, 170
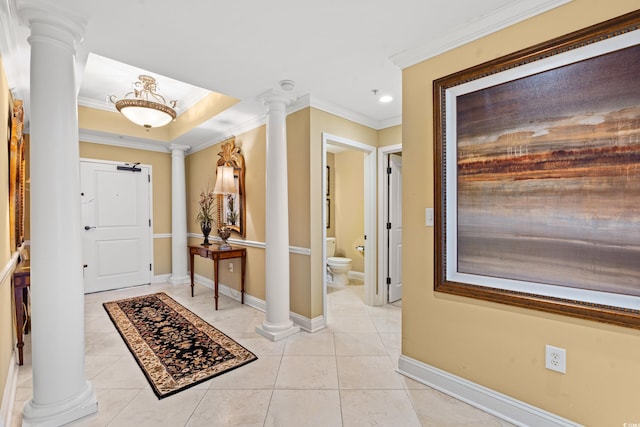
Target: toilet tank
331, 246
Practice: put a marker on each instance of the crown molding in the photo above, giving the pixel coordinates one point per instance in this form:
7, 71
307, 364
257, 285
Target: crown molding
92, 103
499, 19
95, 137
15, 53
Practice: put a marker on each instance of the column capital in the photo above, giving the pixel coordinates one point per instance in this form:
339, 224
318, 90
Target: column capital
275, 99
50, 20
176, 148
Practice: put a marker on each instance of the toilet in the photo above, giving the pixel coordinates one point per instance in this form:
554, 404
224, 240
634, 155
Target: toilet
338, 267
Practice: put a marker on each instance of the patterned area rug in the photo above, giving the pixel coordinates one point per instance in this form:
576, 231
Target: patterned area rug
175, 348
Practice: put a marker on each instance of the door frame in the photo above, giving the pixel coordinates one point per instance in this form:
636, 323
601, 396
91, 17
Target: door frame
383, 197
372, 295
151, 234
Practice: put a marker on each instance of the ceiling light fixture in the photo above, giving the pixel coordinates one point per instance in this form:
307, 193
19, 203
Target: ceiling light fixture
287, 85
384, 98
144, 106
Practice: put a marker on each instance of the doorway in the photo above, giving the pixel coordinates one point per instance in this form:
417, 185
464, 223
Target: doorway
117, 241
372, 296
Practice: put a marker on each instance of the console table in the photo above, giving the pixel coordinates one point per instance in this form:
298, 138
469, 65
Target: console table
21, 283
214, 253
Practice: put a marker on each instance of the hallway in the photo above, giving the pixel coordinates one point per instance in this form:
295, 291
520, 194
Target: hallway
342, 376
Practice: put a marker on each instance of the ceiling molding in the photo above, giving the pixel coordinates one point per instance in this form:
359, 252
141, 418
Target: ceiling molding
16, 60
390, 122
490, 23
91, 103
122, 141
345, 113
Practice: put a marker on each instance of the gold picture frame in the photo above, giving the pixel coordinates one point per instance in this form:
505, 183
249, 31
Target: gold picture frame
231, 208
532, 153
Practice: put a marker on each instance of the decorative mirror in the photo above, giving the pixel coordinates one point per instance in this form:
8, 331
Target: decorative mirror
17, 170
231, 207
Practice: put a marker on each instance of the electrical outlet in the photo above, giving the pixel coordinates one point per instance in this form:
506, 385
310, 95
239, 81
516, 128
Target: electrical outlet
556, 359
231, 267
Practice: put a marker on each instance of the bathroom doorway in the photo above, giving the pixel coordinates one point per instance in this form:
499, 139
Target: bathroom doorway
368, 240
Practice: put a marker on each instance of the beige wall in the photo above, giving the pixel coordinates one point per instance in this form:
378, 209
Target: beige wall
390, 136
349, 206
6, 310
494, 345
161, 180
200, 172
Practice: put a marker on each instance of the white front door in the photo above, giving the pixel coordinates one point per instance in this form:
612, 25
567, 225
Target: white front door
116, 216
395, 230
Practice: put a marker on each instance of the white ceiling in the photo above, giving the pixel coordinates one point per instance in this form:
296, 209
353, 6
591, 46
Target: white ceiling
336, 51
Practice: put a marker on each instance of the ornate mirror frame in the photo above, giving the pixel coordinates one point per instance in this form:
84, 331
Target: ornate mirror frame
17, 171
231, 209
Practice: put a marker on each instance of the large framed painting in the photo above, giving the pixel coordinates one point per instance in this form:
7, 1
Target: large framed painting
538, 176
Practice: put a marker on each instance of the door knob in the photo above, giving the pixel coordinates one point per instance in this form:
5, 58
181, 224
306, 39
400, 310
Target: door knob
86, 227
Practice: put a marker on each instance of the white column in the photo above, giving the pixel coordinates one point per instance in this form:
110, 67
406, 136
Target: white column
61, 392
277, 324
179, 271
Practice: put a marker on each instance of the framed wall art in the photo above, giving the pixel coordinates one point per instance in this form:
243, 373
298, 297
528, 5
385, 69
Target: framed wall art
538, 176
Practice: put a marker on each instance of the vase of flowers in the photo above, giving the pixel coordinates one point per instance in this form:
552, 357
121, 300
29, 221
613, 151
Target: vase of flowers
205, 213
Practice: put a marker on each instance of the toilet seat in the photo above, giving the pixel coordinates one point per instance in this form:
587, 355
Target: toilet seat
338, 260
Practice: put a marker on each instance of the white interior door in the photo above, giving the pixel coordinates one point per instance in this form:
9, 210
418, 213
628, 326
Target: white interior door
117, 235
395, 230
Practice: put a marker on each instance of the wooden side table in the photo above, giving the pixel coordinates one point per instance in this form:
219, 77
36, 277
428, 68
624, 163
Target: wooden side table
216, 254
21, 282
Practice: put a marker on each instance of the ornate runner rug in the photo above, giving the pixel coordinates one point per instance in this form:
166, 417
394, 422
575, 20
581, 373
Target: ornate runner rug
175, 348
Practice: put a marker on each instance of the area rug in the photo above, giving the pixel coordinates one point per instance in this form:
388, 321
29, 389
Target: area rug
175, 348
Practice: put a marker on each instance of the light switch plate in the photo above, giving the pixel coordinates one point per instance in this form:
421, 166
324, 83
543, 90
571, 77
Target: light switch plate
428, 217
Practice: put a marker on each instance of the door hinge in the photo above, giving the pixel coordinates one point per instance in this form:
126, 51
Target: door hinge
388, 280
388, 226
389, 170
149, 222
149, 267
148, 178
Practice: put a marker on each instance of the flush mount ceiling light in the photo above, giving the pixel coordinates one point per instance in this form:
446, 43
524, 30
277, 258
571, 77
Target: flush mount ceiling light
384, 98
144, 106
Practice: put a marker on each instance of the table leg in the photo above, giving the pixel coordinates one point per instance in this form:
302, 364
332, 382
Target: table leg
19, 323
215, 281
242, 263
191, 268
27, 315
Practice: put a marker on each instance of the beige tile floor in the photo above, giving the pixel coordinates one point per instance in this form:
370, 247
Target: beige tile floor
342, 376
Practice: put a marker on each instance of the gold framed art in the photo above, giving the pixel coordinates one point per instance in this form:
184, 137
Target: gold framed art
537, 170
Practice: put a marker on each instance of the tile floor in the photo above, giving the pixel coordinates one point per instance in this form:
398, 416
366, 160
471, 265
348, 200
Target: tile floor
342, 376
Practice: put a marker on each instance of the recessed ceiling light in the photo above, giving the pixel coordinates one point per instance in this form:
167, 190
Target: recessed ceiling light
386, 98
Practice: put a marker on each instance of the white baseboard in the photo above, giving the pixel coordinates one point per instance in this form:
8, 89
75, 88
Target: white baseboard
9, 394
356, 275
309, 325
161, 278
306, 324
502, 406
